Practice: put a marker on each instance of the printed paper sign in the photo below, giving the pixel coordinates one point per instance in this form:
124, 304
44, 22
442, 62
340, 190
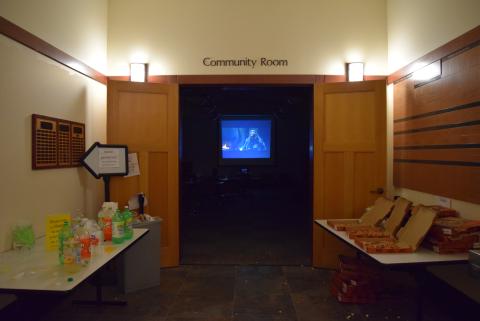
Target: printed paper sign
109, 158
53, 226
133, 168
444, 201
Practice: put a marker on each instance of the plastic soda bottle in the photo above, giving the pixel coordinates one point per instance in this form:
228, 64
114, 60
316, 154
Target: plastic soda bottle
94, 233
118, 226
128, 221
105, 220
84, 245
66, 253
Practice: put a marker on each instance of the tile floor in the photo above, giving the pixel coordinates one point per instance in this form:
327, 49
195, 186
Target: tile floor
236, 293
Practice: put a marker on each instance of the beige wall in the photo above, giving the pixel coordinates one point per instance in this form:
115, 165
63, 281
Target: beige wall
31, 83
316, 36
77, 27
414, 29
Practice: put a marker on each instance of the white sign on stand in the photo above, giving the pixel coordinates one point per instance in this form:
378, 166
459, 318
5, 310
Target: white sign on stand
106, 160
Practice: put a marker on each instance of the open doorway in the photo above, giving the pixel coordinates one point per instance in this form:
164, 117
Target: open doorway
253, 205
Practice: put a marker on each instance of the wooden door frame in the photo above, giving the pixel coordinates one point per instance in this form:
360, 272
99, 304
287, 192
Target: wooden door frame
274, 80
289, 80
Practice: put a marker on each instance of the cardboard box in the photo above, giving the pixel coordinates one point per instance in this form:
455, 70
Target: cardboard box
380, 209
409, 237
453, 235
391, 224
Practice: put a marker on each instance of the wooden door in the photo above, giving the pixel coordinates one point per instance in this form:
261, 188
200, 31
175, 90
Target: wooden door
144, 116
349, 157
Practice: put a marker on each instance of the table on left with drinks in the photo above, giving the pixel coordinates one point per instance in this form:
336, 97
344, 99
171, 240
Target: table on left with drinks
39, 270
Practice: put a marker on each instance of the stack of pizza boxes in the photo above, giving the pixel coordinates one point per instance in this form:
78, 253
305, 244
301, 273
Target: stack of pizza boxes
453, 234
356, 281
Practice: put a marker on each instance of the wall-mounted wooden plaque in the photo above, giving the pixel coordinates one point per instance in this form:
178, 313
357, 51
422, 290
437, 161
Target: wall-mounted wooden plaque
77, 143
56, 142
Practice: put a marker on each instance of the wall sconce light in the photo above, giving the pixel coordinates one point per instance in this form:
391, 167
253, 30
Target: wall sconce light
138, 72
354, 71
427, 74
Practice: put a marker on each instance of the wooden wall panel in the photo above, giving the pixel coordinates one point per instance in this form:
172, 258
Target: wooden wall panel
460, 135
334, 169
437, 130
145, 117
152, 127
364, 180
460, 116
349, 158
158, 172
458, 182
462, 154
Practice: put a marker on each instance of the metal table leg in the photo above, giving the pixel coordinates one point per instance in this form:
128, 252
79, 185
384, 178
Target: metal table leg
99, 295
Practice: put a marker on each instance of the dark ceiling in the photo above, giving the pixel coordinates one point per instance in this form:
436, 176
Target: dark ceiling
212, 101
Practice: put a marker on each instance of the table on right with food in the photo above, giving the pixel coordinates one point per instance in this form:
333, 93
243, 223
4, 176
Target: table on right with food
420, 256
414, 262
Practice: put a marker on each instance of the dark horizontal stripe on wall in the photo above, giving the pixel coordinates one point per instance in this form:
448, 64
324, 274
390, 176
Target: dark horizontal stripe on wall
437, 162
456, 53
439, 127
33, 42
440, 111
452, 146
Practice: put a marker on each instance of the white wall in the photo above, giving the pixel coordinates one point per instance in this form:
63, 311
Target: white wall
316, 36
77, 27
31, 83
414, 29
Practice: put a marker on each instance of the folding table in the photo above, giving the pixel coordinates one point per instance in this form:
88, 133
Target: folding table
27, 273
414, 263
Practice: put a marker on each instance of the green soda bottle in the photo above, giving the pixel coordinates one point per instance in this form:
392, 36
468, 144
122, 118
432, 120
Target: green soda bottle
128, 221
65, 244
118, 226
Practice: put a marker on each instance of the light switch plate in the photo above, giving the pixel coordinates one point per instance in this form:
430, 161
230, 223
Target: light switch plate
444, 201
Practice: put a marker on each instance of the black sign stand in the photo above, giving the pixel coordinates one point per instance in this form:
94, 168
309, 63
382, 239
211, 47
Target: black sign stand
106, 183
90, 162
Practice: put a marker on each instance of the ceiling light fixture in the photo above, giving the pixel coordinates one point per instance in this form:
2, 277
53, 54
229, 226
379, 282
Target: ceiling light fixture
355, 71
138, 72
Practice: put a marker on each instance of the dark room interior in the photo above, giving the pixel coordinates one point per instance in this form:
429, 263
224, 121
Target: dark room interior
245, 213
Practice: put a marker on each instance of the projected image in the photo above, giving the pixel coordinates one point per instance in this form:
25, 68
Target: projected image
246, 138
